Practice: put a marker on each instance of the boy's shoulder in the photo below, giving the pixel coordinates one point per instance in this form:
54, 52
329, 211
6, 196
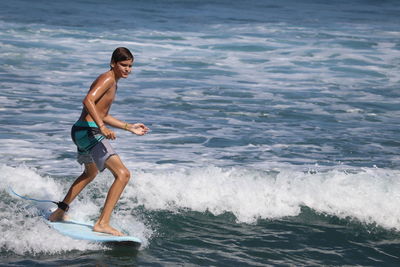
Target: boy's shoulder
108, 75
106, 78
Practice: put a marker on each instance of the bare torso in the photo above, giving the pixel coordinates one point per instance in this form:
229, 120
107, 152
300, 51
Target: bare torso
104, 101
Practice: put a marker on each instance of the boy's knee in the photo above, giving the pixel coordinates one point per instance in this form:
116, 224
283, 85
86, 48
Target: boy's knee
124, 175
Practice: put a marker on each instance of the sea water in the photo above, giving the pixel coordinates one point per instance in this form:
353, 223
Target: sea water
274, 130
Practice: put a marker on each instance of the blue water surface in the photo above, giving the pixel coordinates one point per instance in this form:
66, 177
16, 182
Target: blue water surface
274, 129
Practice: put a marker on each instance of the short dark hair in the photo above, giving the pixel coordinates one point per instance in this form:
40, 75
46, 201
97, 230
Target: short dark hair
121, 54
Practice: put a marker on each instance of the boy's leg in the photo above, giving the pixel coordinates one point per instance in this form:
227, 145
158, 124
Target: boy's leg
81, 182
122, 176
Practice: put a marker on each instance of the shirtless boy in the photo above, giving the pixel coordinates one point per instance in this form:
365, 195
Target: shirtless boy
90, 134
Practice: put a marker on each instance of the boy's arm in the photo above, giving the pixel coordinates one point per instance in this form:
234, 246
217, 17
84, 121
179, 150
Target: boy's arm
114, 122
136, 128
97, 89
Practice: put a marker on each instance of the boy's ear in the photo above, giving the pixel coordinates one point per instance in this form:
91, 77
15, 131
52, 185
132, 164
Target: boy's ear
112, 64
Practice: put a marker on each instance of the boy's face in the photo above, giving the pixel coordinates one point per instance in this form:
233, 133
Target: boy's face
123, 68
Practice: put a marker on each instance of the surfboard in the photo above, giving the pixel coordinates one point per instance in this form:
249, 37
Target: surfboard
83, 231
78, 230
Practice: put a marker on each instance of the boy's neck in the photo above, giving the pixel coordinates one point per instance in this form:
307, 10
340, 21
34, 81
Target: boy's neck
116, 77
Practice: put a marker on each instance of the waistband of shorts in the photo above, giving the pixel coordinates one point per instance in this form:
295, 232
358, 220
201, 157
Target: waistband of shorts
86, 124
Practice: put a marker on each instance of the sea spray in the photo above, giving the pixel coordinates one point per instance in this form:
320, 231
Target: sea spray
23, 229
366, 194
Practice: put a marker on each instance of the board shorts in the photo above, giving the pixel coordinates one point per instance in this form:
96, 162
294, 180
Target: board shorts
92, 146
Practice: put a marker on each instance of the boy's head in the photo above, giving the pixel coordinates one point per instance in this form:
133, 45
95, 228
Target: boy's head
121, 54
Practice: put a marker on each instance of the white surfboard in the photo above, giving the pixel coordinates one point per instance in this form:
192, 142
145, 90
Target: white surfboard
79, 230
83, 231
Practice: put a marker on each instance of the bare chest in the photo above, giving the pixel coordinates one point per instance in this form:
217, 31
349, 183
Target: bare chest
107, 98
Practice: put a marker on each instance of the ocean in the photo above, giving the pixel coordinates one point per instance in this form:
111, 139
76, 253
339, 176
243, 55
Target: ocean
274, 130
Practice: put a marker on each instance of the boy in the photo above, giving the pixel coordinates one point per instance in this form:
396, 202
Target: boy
90, 135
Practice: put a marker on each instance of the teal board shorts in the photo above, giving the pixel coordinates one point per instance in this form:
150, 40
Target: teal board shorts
92, 145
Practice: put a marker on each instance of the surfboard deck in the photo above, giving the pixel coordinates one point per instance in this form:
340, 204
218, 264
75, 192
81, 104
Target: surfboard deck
83, 231
79, 230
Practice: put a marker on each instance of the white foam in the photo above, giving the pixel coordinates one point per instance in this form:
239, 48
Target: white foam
25, 233
368, 195
31, 235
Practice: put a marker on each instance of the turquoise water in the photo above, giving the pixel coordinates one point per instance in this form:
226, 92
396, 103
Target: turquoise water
274, 130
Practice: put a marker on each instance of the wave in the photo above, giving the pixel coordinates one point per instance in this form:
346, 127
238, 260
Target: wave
369, 195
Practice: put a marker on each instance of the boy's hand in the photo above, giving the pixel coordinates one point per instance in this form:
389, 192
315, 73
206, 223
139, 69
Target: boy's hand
138, 128
109, 134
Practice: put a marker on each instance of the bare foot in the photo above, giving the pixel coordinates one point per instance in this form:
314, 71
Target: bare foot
106, 228
58, 215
